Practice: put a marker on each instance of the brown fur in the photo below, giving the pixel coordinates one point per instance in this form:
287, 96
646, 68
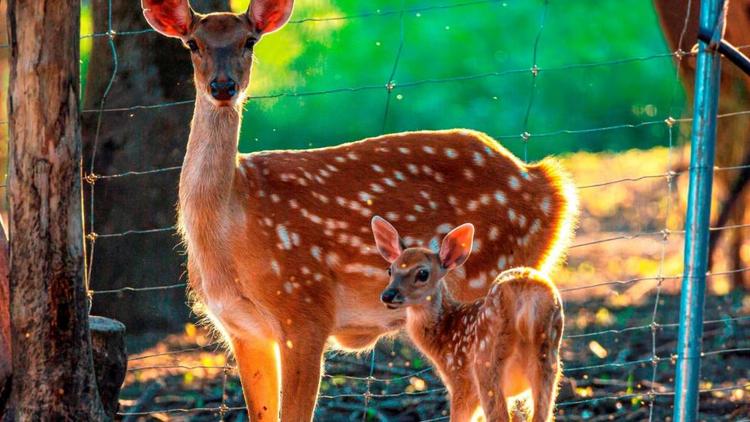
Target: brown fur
496, 347
278, 251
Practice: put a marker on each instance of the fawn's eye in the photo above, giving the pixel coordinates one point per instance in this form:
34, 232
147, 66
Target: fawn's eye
192, 45
389, 271
422, 275
249, 44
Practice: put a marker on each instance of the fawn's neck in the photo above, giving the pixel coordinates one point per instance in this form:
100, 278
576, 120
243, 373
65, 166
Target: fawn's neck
427, 321
208, 170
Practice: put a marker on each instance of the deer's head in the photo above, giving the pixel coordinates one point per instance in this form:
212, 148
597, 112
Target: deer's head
415, 272
220, 44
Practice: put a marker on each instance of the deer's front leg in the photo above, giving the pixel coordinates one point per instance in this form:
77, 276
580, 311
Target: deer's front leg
257, 359
301, 361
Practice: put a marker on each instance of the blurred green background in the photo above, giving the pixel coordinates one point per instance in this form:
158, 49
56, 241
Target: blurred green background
461, 64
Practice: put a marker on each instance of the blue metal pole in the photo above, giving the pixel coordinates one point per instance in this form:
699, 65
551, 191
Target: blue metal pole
697, 221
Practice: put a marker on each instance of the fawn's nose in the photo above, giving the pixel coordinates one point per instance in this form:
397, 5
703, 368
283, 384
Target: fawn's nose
223, 91
392, 297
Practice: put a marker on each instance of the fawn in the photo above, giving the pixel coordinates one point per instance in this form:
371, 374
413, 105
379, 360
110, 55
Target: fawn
278, 256
485, 351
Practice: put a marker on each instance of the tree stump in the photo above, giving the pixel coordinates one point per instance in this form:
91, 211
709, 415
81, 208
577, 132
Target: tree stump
110, 360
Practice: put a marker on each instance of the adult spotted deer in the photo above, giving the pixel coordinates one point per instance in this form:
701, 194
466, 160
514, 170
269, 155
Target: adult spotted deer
488, 350
277, 242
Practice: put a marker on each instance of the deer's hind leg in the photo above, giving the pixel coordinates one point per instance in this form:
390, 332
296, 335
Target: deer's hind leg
545, 373
489, 381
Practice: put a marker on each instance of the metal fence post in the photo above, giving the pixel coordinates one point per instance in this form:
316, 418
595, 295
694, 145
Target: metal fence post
697, 220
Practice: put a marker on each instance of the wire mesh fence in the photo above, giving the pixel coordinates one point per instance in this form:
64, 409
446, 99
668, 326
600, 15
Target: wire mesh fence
617, 363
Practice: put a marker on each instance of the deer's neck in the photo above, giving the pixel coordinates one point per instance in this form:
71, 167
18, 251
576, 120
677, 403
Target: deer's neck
429, 322
208, 170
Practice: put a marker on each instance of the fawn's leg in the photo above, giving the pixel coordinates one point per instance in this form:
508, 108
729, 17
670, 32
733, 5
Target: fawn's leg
464, 404
545, 375
301, 361
258, 366
490, 386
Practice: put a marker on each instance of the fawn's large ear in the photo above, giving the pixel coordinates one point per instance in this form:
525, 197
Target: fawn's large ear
269, 15
172, 18
456, 246
386, 239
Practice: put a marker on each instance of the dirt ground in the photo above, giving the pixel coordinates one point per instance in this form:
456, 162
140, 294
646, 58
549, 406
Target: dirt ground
619, 345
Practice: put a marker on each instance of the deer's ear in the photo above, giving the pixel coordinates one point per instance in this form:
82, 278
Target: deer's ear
386, 239
456, 246
269, 15
172, 18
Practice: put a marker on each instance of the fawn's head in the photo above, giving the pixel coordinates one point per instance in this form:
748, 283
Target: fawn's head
415, 272
221, 44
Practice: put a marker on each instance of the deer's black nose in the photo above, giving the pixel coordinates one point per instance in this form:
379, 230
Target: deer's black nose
392, 297
223, 91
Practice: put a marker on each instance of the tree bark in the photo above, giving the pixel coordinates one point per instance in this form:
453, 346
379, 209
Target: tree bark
152, 70
732, 134
48, 306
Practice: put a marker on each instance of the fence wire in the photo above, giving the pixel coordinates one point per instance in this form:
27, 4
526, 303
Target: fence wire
378, 392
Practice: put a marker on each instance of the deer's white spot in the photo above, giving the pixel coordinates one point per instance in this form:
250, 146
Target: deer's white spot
477, 246
324, 173
293, 204
472, 205
318, 276
514, 183
376, 188
413, 169
410, 217
377, 168
451, 153
511, 215
493, 233
439, 177
452, 200
418, 208
478, 282
305, 270
275, 267
320, 197
525, 174
388, 181
500, 197
545, 205
390, 215
340, 159
288, 287
275, 198
478, 159
404, 150
468, 174
428, 149
535, 226
443, 228
352, 156
332, 168
283, 234
398, 175
427, 170
484, 199
364, 196
332, 260
433, 205
522, 220
295, 239
341, 201
267, 221
502, 262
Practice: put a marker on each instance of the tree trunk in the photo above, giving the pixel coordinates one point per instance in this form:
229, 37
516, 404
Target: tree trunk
152, 70
48, 306
733, 133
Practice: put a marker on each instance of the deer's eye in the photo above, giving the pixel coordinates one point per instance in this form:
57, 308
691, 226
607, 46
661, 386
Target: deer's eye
389, 271
422, 275
192, 45
249, 44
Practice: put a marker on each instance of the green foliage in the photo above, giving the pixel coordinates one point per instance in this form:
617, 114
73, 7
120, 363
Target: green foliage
485, 50
475, 39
